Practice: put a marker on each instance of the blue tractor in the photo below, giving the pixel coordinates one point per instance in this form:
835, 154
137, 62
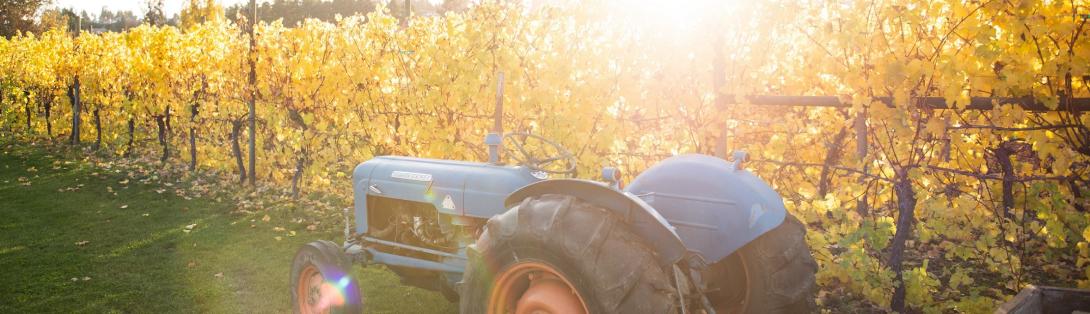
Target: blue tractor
694, 233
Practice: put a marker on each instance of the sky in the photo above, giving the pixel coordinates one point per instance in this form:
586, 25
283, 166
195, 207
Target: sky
93, 7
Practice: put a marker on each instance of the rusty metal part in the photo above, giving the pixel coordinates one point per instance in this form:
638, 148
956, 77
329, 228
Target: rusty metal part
534, 287
309, 289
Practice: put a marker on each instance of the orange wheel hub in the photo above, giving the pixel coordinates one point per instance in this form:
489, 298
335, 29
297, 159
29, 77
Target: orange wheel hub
314, 294
534, 288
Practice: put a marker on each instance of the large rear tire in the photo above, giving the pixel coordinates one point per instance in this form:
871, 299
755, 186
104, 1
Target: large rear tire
564, 244
772, 274
321, 282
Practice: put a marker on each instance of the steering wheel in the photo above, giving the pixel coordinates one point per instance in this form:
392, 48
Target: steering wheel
540, 163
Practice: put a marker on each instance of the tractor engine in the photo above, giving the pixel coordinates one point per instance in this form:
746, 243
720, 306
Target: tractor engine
413, 223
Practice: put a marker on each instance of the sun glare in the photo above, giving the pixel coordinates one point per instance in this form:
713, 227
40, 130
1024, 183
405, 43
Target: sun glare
685, 15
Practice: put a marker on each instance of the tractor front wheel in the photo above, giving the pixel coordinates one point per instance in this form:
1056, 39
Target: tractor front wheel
558, 254
321, 283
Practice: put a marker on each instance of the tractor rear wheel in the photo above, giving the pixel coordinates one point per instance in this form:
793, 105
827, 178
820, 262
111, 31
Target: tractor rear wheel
558, 254
321, 283
772, 274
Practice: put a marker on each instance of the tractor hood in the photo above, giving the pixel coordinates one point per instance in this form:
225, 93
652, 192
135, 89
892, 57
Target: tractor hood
715, 207
453, 187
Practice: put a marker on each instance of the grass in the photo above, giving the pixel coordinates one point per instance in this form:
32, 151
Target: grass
68, 244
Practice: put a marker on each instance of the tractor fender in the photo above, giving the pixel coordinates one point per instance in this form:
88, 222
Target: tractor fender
715, 206
643, 220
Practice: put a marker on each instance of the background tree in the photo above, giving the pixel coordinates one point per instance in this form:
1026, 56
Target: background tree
115, 21
58, 18
18, 16
153, 13
453, 6
200, 11
295, 11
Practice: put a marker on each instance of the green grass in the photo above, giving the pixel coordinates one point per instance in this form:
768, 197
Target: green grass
140, 259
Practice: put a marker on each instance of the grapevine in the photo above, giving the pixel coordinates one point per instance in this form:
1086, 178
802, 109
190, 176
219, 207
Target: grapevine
911, 206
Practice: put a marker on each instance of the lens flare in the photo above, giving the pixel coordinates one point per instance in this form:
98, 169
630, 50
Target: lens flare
331, 296
335, 292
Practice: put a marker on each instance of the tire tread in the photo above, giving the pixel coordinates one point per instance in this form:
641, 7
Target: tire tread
612, 262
